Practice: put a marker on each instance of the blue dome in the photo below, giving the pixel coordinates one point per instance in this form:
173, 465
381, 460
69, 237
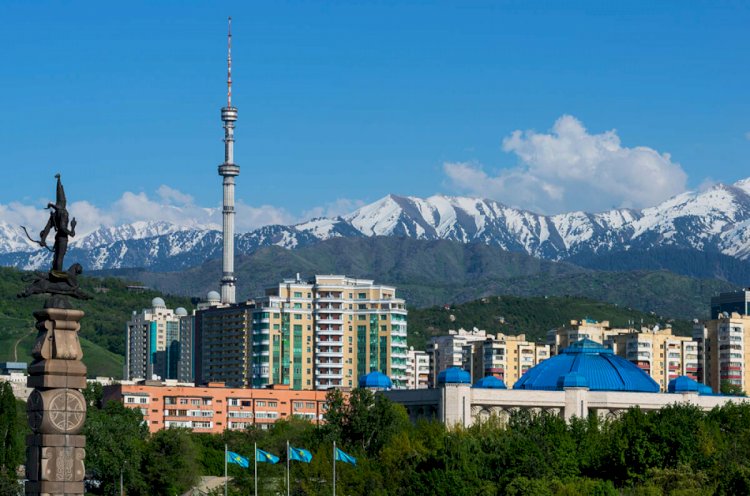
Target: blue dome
685, 384
489, 382
376, 380
595, 367
454, 375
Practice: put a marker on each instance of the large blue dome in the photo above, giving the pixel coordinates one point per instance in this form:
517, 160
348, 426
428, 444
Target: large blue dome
377, 380
593, 366
454, 375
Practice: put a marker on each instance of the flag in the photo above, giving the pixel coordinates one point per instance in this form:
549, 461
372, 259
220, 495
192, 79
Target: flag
265, 457
343, 457
299, 454
240, 460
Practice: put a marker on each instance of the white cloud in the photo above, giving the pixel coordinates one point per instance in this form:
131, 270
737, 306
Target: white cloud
747, 135
166, 205
570, 169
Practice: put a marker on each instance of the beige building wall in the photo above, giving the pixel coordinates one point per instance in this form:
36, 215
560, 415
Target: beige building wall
417, 369
723, 355
658, 352
509, 357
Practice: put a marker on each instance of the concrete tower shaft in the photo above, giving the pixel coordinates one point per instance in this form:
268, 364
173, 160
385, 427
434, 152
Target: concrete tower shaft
228, 170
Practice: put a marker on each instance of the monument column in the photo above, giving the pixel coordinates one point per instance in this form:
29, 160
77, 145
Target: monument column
55, 450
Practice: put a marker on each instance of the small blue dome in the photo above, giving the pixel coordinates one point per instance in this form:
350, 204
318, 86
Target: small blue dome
703, 389
489, 382
572, 380
685, 384
375, 380
598, 367
454, 375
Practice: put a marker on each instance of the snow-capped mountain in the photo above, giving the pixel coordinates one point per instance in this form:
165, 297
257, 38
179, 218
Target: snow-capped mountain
716, 219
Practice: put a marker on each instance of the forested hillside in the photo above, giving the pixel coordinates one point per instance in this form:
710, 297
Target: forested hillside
102, 328
532, 316
442, 272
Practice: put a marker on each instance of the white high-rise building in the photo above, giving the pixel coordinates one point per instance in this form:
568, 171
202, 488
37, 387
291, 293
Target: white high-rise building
417, 369
153, 346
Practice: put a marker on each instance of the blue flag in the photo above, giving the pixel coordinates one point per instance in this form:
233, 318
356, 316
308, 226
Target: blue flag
343, 457
240, 460
265, 457
299, 454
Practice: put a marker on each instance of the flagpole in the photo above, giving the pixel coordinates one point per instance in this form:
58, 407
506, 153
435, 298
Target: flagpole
287, 468
334, 468
256, 469
225, 470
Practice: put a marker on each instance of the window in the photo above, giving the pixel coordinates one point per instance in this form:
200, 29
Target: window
272, 404
297, 316
362, 296
297, 405
234, 402
310, 405
298, 294
246, 403
260, 403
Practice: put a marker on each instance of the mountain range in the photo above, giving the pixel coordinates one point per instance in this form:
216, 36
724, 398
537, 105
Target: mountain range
712, 224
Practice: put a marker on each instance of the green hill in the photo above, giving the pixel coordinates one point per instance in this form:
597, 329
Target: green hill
532, 316
102, 328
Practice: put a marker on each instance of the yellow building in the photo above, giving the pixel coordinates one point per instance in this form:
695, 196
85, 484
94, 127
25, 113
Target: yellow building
722, 350
658, 352
562, 337
483, 354
509, 357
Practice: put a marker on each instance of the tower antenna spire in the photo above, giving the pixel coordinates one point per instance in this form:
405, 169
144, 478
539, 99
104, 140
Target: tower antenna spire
229, 63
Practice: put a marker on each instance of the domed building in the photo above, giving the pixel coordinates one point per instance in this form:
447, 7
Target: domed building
376, 381
586, 378
587, 364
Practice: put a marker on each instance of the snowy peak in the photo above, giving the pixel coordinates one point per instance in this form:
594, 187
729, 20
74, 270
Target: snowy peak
713, 219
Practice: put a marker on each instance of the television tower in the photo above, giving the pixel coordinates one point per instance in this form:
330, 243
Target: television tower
228, 170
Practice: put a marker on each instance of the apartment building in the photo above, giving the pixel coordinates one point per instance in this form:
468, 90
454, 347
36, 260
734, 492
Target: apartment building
723, 356
508, 357
483, 354
417, 369
562, 337
453, 350
317, 334
731, 302
658, 352
214, 408
153, 342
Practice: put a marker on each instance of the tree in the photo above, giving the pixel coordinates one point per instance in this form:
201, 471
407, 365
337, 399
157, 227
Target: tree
11, 433
365, 421
115, 443
729, 389
171, 462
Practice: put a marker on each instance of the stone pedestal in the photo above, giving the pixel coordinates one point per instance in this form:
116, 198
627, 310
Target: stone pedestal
56, 407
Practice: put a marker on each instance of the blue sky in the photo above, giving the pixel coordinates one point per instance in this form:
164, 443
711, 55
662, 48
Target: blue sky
341, 103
